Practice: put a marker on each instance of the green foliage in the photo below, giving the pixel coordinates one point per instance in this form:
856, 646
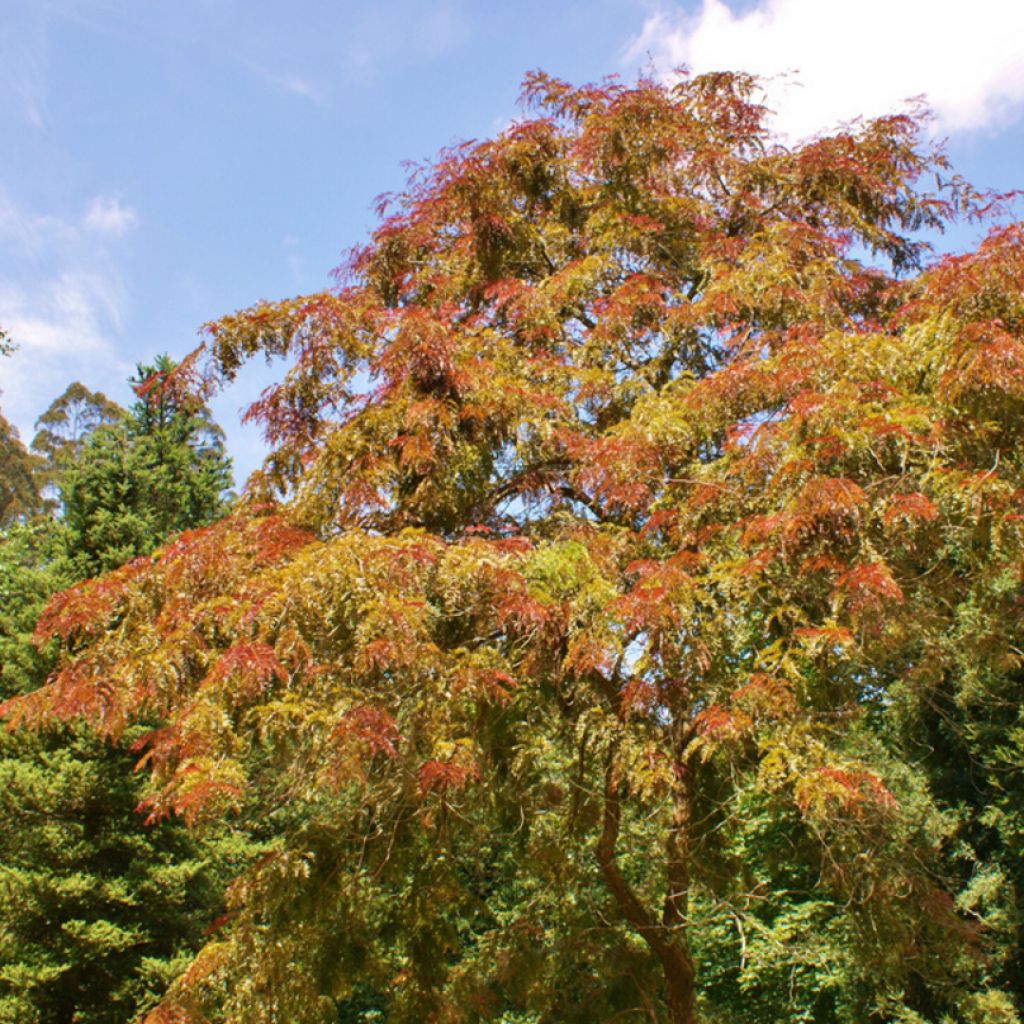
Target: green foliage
99, 911
19, 494
159, 470
19, 491
62, 430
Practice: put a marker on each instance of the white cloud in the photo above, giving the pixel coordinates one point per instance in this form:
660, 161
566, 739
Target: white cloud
106, 215
31, 235
62, 329
843, 59
62, 302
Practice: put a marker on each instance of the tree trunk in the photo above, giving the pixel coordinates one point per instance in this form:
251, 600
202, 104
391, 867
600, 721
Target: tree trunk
680, 999
665, 938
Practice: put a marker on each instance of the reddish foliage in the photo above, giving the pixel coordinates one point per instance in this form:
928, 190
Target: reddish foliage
910, 507
86, 607
193, 802
487, 684
867, 585
987, 357
272, 539
251, 666
766, 695
442, 776
833, 635
521, 612
715, 722
370, 728
854, 790
637, 695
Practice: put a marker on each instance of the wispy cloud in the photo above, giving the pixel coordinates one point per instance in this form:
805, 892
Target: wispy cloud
63, 304
843, 59
30, 235
295, 85
389, 30
106, 215
63, 327
24, 54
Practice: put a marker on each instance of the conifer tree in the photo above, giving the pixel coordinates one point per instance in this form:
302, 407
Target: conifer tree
158, 470
98, 911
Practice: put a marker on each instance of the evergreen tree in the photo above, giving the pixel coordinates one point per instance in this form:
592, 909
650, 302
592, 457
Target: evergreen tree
157, 471
98, 910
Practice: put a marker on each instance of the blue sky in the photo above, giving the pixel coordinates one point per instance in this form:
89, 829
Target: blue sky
166, 163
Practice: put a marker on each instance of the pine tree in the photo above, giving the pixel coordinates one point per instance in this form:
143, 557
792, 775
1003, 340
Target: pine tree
155, 472
98, 910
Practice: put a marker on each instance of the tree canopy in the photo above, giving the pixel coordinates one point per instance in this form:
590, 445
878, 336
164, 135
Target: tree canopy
19, 493
64, 428
140, 477
637, 489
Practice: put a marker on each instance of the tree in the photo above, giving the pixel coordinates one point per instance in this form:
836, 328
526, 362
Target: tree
159, 470
62, 430
19, 496
623, 513
98, 911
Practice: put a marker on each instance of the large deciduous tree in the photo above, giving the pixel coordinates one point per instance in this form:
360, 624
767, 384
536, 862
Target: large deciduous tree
19, 493
635, 484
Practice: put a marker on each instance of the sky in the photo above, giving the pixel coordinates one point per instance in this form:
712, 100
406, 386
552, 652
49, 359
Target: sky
163, 164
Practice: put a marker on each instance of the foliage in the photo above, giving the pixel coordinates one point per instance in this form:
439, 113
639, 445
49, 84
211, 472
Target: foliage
98, 911
629, 514
62, 430
158, 471
19, 495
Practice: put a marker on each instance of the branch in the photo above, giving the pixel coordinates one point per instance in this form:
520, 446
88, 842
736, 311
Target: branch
635, 913
669, 946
